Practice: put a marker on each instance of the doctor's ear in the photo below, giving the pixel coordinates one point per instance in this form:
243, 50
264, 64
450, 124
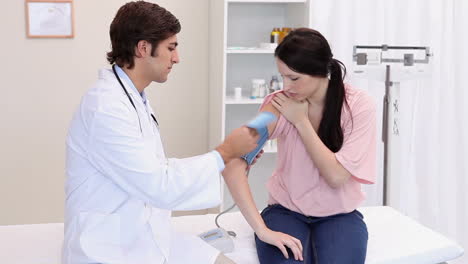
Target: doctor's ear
142, 48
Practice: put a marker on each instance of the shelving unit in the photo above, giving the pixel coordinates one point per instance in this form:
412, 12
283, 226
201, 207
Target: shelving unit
237, 28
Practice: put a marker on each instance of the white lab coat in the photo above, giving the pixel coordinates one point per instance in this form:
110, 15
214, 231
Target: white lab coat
121, 188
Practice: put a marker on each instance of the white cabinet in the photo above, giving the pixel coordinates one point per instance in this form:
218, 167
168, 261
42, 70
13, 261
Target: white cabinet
237, 27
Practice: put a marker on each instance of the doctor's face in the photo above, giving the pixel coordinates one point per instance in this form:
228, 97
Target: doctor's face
166, 56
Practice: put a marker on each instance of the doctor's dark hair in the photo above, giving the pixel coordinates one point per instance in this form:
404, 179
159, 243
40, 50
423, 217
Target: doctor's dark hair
306, 51
137, 21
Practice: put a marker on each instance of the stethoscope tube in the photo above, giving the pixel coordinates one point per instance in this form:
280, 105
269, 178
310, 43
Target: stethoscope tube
130, 98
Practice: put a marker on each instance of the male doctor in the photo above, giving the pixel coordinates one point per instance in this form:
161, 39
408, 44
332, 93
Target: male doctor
120, 187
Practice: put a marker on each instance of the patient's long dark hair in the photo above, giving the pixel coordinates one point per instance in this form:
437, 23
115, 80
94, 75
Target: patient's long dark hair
306, 51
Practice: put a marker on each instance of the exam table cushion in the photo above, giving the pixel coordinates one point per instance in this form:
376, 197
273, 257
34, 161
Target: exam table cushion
393, 239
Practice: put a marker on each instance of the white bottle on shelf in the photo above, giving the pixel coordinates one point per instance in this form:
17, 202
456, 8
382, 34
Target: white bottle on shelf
257, 86
238, 93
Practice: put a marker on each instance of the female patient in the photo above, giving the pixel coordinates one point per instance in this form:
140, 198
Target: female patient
326, 134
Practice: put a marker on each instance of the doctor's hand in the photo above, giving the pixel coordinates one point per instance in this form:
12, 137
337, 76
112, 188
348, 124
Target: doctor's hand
281, 241
240, 142
294, 111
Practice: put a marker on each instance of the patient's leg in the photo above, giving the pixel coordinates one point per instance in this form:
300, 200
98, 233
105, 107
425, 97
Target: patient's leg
343, 233
222, 259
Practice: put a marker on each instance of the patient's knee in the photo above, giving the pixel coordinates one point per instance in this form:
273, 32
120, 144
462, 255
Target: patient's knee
222, 259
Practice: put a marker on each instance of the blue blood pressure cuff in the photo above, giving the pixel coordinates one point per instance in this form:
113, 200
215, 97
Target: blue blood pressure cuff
259, 123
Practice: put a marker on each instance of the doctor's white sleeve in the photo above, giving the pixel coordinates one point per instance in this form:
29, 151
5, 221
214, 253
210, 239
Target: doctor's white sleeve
117, 148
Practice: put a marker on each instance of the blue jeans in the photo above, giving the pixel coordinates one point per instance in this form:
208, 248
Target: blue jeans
336, 239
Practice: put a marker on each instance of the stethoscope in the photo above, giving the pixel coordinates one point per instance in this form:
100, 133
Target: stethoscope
130, 98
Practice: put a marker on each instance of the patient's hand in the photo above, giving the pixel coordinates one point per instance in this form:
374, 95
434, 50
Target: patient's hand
294, 111
280, 240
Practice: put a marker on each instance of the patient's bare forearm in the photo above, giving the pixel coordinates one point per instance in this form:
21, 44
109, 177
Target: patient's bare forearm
237, 182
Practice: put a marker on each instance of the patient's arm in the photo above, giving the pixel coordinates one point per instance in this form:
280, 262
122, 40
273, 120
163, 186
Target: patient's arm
236, 180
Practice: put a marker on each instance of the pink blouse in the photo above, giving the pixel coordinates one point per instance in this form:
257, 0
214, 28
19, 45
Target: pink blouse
296, 182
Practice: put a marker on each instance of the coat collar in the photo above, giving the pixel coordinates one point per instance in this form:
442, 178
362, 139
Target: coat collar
108, 74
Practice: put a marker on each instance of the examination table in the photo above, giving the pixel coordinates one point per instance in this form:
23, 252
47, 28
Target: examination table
393, 239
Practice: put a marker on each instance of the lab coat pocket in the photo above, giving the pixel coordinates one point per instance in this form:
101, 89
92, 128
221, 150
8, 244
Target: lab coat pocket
100, 237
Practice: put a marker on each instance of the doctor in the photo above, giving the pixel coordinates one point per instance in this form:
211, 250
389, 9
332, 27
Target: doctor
120, 186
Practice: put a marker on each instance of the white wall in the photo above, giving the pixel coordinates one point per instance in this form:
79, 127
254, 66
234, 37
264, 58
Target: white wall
44, 79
